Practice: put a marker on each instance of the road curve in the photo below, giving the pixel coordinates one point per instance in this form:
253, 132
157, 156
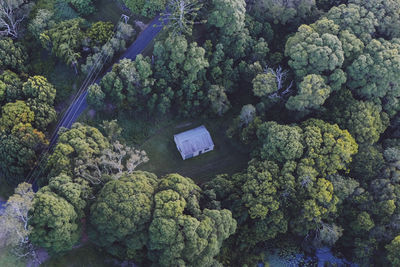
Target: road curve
79, 105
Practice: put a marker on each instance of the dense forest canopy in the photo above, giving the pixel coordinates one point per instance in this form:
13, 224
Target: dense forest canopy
307, 90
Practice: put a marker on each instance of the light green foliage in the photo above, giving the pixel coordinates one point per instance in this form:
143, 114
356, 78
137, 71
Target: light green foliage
129, 200
363, 223
280, 142
14, 113
84, 7
79, 143
117, 44
64, 40
264, 84
374, 74
44, 114
312, 93
74, 192
327, 146
261, 196
145, 8
54, 223
41, 22
228, 16
315, 49
320, 206
37, 87
387, 12
19, 149
394, 251
364, 120
219, 101
100, 32
283, 11
12, 56
354, 18
10, 87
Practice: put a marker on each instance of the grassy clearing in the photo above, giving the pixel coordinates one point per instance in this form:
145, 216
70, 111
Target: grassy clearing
7, 259
155, 136
80, 257
165, 158
5, 191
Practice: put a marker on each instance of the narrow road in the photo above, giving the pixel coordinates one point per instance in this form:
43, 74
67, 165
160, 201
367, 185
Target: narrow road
79, 105
2, 206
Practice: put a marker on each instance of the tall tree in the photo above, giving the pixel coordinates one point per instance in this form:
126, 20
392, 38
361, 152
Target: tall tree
15, 222
12, 13
81, 142
19, 150
12, 55
54, 223
64, 40
374, 74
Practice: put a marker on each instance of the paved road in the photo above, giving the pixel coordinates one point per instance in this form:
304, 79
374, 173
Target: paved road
80, 104
2, 206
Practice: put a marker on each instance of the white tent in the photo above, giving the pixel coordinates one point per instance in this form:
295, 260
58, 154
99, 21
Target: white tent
194, 142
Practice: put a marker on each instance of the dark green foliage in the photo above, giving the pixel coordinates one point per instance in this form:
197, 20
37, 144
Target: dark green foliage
162, 221
145, 8
367, 163
315, 49
374, 74
64, 40
54, 223
180, 69
280, 142
84, 7
284, 12
129, 200
12, 56
354, 18
128, 85
312, 93
19, 150
10, 87
79, 143
387, 13
393, 251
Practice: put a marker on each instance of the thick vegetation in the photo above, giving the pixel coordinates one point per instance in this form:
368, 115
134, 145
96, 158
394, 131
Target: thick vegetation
311, 88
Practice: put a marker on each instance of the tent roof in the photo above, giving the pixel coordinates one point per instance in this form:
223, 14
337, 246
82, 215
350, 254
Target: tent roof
193, 140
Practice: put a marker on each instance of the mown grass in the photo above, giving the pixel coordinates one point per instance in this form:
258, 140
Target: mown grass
156, 137
5, 190
165, 158
81, 257
7, 259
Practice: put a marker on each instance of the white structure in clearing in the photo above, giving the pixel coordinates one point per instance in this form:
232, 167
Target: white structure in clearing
193, 142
